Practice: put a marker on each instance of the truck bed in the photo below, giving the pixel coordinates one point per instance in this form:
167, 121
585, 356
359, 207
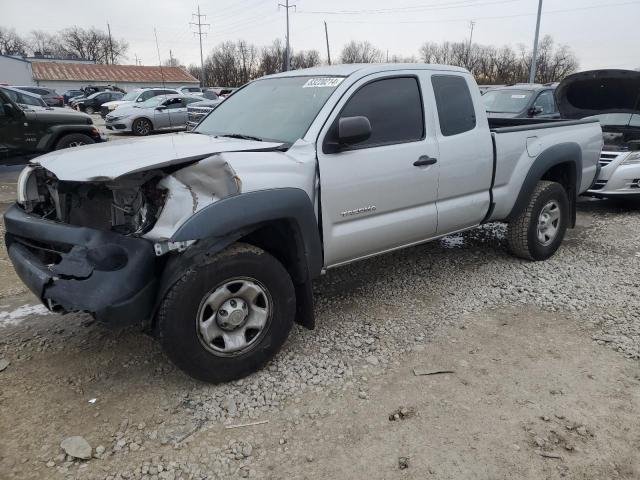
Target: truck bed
519, 142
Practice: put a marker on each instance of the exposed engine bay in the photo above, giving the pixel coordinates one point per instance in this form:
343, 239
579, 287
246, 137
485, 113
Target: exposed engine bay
129, 206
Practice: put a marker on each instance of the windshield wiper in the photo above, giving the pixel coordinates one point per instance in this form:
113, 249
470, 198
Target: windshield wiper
241, 137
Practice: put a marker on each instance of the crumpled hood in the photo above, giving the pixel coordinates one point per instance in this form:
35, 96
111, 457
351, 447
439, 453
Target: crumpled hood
599, 92
110, 160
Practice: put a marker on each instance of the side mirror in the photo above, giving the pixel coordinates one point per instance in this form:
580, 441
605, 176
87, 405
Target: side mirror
161, 107
353, 130
139, 99
535, 111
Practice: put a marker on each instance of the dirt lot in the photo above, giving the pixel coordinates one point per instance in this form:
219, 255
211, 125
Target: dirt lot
544, 380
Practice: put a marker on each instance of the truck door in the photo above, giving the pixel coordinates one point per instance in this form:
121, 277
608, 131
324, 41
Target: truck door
12, 141
379, 194
466, 153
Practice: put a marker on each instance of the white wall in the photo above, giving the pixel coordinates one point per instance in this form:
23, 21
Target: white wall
15, 72
61, 86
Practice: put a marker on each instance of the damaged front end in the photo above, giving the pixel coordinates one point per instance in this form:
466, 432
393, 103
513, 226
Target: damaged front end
100, 246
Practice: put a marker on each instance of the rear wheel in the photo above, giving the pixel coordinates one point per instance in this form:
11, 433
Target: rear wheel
74, 140
536, 234
142, 127
226, 319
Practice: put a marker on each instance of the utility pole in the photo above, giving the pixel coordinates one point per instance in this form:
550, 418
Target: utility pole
138, 60
326, 34
472, 24
110, 42
170, 58
287, 63
199, 24
534, 60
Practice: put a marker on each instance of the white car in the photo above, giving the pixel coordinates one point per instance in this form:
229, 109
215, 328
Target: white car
136, 96
197, 91
611, 96
162, 112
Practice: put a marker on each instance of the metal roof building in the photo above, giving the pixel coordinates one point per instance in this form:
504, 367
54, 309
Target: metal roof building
65, 76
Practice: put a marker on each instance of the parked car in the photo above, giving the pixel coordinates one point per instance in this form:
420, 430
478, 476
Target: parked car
162, 112
31, 130
214, 237
521, 101
136, 96
25, 99
49, 95
94, 102
69, 94
91, 89
209, 94
190, 90
198, 110
612, 97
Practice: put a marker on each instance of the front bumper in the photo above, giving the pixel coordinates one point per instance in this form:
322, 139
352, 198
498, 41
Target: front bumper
73, 268
617, 180
119, 125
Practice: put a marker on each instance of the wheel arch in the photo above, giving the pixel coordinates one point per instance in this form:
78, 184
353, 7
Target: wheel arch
280, 221
560, 163
56, 132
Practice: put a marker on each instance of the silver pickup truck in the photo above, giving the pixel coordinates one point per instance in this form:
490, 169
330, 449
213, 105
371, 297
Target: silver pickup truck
211, 239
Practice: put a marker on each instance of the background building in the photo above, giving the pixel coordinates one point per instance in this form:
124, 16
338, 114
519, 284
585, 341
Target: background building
67, 76
15, 71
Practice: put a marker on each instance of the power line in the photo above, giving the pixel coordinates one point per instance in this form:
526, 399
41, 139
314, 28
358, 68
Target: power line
412, 9
199, 24
287, 63
499, 17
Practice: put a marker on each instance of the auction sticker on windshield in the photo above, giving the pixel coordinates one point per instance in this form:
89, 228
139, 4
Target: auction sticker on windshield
518, 96
323, 82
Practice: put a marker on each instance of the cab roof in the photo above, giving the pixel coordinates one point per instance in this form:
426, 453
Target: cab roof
363, 69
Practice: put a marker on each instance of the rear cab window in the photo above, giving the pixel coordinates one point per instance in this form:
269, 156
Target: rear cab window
456, 110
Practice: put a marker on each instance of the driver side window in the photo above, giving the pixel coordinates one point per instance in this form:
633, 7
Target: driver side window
394, 109
546, 102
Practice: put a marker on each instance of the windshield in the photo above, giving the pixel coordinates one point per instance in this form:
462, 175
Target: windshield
131, 96
619, 119
507, 100
277, 109
153, 101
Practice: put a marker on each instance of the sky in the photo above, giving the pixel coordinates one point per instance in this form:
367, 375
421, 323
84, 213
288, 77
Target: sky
602, 33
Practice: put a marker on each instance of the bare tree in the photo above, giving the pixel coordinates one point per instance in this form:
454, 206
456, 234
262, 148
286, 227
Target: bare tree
360, 52
305, 59
272, 58
173, 62
92, 44
491, 65
11, 43
43, 43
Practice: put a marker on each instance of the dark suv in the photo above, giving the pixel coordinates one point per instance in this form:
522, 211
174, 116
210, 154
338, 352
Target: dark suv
49, 95
522, 101
26, 133
93, 102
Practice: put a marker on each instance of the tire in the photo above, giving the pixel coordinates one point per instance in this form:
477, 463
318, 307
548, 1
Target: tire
536, 234
141, 127
184, 312
89, 110
74, 140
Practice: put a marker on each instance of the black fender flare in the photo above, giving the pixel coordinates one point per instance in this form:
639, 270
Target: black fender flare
56, 132
222, 223
570, 153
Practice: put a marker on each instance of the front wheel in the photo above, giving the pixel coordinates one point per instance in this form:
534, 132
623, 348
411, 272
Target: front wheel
74, 140
536, 234
226, 319
89, 110
142, 127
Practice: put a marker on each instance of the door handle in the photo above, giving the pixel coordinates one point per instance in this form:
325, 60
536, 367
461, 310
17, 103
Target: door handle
424, 161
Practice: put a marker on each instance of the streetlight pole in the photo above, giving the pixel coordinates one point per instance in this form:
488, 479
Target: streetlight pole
534, 60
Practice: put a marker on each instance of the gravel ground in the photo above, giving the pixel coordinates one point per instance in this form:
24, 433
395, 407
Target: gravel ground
371, 315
